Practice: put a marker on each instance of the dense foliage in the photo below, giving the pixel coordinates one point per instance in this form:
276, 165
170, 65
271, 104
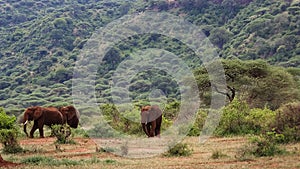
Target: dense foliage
256, 82
9, 133
287, 122
42, 39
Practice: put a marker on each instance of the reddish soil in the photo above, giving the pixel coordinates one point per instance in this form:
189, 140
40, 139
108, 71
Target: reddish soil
7, 164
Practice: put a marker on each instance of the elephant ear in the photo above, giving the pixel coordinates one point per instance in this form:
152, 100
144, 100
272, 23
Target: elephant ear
38, 111
154, 113
71, 112
72, 116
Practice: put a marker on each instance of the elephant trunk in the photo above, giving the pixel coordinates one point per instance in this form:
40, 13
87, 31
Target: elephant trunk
144, 126
25, 121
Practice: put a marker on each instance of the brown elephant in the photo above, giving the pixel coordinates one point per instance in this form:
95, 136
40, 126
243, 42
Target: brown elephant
151, 118
41, 116
70, 115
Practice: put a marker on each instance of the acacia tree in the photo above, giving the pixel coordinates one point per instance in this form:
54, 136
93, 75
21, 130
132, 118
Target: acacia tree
257, 82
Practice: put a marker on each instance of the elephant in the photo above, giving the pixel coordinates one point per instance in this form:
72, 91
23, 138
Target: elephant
41, 116
70, 115
151, 118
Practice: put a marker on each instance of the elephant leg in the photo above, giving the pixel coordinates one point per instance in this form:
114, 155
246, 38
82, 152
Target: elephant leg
41, 132
34, 127
152, 130
41, 125
149, 128
158, 125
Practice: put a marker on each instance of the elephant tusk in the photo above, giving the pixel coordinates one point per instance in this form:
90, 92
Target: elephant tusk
25, 122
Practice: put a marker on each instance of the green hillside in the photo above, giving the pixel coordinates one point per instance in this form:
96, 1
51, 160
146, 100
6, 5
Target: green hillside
41, 40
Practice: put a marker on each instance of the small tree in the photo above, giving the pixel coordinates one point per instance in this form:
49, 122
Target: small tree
9, 133
62, 133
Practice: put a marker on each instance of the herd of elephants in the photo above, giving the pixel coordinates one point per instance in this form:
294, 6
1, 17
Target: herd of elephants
151, 118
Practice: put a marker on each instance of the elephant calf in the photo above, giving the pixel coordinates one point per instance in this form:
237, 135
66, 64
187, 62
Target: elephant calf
151, 118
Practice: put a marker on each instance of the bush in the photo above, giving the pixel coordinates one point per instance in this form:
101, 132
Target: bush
263, 145
180, 149
62, 133
199, 123
239, 119
260, 120
9, 133
233, 119
287, 122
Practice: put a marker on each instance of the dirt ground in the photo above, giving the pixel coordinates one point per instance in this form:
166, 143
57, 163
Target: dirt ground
87, 149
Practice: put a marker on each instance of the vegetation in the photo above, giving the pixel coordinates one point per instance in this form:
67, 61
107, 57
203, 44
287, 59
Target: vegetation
62, 133
41, 42
239, 119
180, 149
262, 145
9, 133
252, 81
257, 40
49, 161
217, 154
287, 122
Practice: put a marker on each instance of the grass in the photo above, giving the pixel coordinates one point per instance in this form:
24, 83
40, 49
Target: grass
215, 153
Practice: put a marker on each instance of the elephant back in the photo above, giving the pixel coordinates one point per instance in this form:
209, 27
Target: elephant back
52, 116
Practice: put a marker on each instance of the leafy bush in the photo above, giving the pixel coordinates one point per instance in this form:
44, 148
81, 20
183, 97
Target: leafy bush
62, 133
123, 122
262, 145
180, 149
260, 120
233, 119
287, 121
9, 133
239, 119
199, 123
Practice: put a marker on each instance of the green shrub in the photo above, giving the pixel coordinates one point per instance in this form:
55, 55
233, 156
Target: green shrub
263, 145
198, 124
9, 133
239, 119
80, 132
180, 149
233, 120
62, 133
260, 120
287, 122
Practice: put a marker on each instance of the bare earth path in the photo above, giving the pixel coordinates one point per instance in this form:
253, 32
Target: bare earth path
85, 149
